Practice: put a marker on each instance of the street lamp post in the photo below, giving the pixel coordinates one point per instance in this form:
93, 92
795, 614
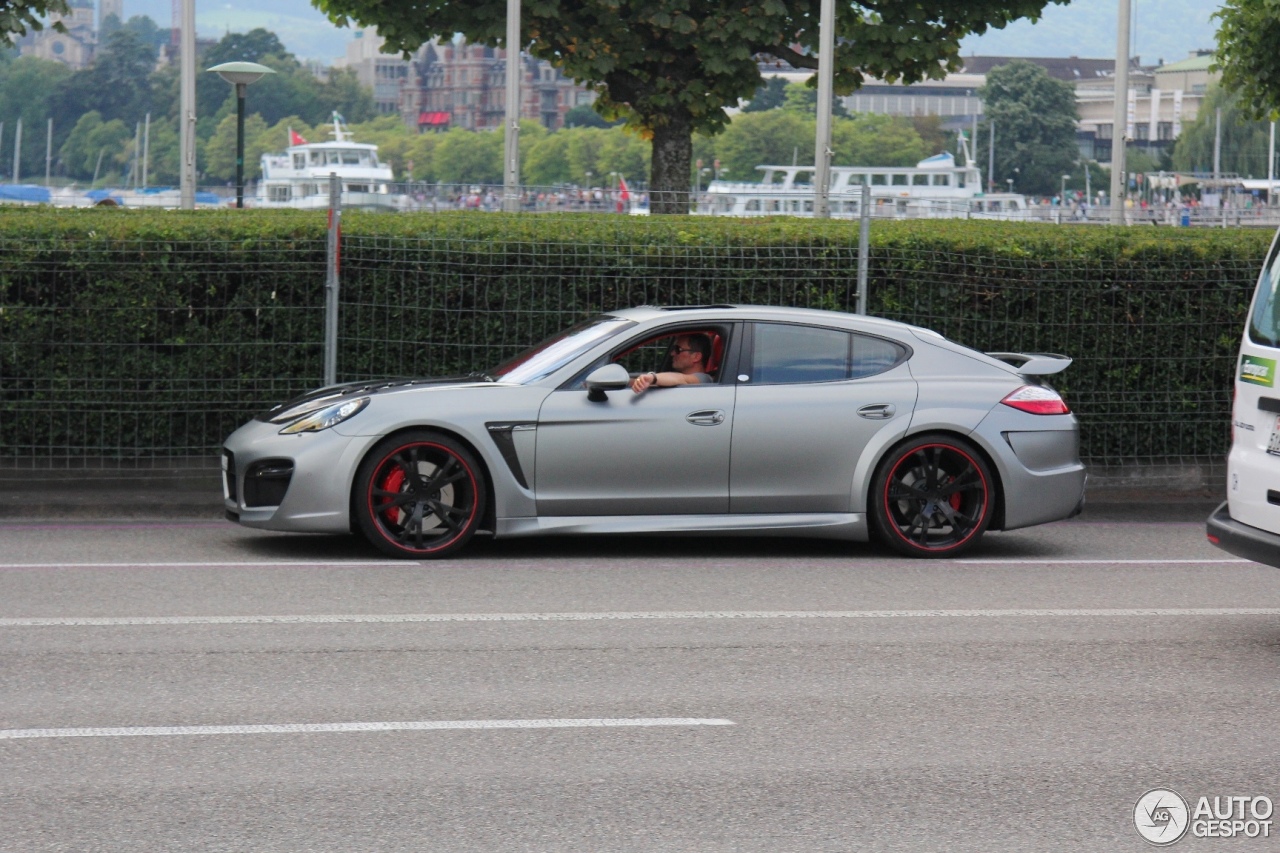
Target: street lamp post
1009, 181
240, 75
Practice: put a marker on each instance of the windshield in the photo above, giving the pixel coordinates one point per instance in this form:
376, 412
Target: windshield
1264, 324
558, 350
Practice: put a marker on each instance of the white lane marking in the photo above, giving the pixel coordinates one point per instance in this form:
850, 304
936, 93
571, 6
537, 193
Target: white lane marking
623, 616
312, 728
273, 564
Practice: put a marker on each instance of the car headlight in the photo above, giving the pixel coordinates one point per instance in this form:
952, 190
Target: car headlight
326, 417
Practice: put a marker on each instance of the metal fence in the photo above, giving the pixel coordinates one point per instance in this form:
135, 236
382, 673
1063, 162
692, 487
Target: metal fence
115, 405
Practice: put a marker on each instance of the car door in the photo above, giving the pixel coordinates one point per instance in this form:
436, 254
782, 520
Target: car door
810, 400
665, 451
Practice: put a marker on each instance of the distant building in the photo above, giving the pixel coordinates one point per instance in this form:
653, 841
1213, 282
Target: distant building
1162, 99
76, 47
455, 84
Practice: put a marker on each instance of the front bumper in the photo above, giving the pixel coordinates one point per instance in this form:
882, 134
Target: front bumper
1241, 539
316, 497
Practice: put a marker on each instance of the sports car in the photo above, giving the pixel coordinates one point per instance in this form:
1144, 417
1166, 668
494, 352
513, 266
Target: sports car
785, 421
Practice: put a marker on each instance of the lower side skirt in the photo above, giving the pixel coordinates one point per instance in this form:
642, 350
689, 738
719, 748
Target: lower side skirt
852, 526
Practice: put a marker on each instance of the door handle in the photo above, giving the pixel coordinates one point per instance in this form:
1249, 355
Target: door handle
878, 411
707, 417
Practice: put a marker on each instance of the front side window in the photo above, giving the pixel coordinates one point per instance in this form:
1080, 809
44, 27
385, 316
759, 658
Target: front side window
786, 354
1264, 323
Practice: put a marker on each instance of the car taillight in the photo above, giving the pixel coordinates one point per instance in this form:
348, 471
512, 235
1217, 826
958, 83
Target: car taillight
1037, 400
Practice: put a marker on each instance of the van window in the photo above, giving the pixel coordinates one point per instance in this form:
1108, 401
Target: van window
1264, 325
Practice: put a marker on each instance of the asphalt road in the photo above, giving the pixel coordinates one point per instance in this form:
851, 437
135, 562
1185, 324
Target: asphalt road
187, 685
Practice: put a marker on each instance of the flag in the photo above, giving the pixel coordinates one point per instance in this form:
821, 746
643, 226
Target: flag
296, 138
622, 185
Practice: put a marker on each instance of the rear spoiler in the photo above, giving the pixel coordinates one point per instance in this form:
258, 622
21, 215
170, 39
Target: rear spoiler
1034, 363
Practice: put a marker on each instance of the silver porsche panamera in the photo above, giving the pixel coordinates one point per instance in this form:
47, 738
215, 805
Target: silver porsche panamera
806, 423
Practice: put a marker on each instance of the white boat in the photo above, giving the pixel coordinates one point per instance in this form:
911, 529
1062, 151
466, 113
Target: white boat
935, 188
299, 178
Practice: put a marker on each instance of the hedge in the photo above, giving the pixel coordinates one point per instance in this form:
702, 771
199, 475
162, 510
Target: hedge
128, 334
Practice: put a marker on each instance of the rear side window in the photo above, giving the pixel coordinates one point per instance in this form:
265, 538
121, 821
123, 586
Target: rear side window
1264, 324
786, 354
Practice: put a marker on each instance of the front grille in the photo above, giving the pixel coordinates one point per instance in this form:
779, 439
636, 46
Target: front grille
229, 475
266, 482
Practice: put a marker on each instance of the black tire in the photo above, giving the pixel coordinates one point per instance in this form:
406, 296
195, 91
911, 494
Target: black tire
419, 495
932, 497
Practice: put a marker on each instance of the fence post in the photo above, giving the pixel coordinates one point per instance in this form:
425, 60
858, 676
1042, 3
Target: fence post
332, 262
864, 244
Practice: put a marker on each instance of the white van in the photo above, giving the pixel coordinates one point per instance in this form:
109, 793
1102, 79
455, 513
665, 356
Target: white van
1248, 523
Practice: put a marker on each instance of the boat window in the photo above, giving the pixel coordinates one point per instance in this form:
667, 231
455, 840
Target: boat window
920, 180
899, 180
334, 160
317, 158
940, 180
350, 158
960, 180
879, 180
753, 205
299, 161
357, 188
278, 193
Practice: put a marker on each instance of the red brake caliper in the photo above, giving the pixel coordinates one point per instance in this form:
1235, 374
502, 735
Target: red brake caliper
392, 483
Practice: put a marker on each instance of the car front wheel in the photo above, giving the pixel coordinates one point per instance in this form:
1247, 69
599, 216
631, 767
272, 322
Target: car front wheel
932, 497
419, 495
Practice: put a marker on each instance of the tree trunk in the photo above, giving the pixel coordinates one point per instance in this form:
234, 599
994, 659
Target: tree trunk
672, 165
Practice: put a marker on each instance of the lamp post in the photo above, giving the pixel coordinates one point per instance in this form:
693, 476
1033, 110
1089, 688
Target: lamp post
1009, 181
240, 75
1063, 194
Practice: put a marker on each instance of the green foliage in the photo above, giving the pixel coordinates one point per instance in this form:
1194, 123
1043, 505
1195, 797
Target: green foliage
1247, 55
18, 17
184, 324
1244, 139
672, 67
1035, 127
768, 95
800, 98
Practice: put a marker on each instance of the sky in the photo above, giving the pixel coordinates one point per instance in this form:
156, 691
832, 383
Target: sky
1162, 29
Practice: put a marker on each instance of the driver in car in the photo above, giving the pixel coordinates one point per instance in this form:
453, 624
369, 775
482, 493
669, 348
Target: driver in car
689, 356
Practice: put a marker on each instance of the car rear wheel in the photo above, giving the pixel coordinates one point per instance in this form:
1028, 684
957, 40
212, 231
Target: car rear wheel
419, 495
932, 497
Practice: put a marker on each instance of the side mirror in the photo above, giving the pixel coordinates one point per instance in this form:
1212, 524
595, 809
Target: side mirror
611, 377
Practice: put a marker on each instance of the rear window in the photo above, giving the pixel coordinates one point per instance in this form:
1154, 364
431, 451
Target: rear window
785, 354
1264, 323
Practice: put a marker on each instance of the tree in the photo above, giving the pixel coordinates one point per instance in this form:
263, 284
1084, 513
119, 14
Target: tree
868, 139
27, 87
219, 156
17, 17
469, 157
1247, 55
1244, 141
804, 99
771, 138
671, 67
585, 116
768, 96
1035, 125
118, 84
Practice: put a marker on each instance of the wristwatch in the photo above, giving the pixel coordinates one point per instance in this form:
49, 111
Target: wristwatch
654, 374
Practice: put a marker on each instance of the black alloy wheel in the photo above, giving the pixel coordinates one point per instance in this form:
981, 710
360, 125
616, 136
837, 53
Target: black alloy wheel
932, 497
419, 495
